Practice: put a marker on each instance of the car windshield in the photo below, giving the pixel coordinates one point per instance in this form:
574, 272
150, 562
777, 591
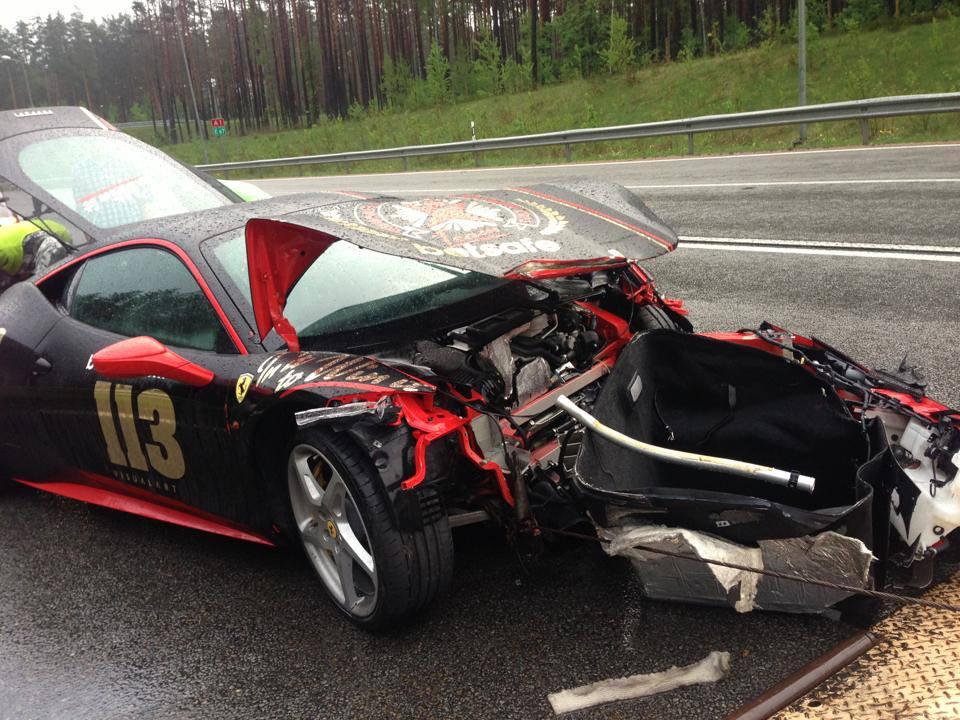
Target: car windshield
109, 180
349, 288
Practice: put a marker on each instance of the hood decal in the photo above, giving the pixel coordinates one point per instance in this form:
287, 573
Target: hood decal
526, 231
496, 232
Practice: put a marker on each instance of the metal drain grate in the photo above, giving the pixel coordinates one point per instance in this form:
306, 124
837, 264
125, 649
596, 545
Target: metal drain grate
912, 674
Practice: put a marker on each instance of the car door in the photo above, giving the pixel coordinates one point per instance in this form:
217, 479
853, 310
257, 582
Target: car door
147, 433
26, 317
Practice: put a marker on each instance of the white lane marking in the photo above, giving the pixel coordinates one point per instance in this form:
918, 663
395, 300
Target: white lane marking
774, 183
830, 251
882, 247
779, 153
677, 186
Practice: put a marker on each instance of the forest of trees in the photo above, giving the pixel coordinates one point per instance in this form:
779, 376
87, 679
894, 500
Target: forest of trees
282, 63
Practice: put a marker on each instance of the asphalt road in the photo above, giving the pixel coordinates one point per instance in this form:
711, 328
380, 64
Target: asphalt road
103, 615
885, 194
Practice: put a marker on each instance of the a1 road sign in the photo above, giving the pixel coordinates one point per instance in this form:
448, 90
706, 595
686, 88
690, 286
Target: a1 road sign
217, 122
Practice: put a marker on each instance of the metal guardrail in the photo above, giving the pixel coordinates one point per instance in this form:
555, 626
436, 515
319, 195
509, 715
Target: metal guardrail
862, 110
149, 124
136, 124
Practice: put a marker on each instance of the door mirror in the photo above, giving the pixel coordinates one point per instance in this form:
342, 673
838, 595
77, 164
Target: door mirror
143, 356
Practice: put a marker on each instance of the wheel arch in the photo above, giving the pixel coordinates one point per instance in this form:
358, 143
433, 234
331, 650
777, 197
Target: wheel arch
269, 435
271, 430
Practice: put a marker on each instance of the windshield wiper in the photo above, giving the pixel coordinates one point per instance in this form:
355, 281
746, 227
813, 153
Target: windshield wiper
44, 226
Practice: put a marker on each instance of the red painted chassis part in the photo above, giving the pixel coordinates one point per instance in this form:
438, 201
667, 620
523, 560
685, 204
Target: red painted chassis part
109, 493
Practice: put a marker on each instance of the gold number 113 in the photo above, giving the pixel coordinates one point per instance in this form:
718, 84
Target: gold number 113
154, 407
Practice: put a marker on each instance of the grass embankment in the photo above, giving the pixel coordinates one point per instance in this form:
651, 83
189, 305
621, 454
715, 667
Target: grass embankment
915, 59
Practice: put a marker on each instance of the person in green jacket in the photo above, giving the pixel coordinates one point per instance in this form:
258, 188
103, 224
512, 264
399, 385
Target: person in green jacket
26, 249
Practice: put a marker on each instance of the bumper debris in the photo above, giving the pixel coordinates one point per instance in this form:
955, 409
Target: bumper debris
829, 557
713, 667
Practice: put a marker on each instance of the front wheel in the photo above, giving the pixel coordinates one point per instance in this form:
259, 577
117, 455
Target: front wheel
653, 317
374, 572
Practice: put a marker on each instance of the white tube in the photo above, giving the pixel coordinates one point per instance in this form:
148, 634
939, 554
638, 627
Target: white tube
679, 457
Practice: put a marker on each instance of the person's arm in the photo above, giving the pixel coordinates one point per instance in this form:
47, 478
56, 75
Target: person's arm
19, 244
11, 245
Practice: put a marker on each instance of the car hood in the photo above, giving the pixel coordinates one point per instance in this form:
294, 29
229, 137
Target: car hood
536, 231
521, 231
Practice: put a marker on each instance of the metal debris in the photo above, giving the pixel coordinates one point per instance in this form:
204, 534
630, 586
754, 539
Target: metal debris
741, 581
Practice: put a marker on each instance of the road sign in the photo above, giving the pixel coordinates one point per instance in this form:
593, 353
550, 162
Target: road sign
217, 122
219, 131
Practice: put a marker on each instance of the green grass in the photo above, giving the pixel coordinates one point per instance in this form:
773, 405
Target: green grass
914, 59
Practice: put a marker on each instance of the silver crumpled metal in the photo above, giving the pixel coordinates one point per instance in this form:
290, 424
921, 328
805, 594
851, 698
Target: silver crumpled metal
828, 556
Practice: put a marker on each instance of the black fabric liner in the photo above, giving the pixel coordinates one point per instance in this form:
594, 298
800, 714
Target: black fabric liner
708, 396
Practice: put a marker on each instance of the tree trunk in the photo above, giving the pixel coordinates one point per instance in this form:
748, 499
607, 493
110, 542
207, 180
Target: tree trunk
534, 59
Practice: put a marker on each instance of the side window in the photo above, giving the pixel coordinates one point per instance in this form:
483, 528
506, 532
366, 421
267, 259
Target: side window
147, 291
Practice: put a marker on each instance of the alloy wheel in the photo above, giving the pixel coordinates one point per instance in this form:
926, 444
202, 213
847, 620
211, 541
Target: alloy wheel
332, 530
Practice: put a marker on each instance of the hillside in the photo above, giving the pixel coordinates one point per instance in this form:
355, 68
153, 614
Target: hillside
914, 59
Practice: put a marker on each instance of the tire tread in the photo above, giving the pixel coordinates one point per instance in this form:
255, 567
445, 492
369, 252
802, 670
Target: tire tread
413, 567
653, 317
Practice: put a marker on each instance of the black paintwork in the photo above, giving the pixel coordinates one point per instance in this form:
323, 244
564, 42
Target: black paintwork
232, 450
15, 122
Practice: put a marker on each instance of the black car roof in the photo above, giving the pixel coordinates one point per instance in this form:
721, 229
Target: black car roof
16, 122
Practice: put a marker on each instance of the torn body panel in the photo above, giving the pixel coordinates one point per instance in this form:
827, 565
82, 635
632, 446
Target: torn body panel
882, 453
829, 557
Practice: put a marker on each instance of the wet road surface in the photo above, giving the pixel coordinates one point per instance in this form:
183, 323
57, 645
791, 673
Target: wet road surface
109, 616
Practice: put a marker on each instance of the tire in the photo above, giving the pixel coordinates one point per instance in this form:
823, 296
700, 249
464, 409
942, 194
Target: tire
373, 572
653, 317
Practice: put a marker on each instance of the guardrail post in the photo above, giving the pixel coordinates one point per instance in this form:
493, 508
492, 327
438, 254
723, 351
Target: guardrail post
406, 163
476, 158
865, 131
568, 152
689, 143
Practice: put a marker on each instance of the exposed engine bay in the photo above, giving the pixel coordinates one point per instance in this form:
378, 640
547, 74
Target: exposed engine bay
800, 405
865, 464
517, 355
512, 365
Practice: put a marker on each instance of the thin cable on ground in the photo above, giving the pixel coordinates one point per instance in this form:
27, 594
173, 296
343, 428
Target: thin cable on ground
878, 594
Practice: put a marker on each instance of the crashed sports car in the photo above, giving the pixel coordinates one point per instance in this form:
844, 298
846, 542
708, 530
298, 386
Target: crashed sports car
360, 376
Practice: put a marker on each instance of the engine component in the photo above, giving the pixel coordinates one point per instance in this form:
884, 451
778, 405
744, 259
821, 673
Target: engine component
532, 379
572, 339
513, 357
485, 331
454, 365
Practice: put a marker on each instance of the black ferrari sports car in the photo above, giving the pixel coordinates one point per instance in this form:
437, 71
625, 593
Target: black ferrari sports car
361, 375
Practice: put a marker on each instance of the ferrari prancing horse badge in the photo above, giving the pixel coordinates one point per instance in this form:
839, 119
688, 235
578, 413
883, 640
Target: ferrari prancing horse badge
243, 384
